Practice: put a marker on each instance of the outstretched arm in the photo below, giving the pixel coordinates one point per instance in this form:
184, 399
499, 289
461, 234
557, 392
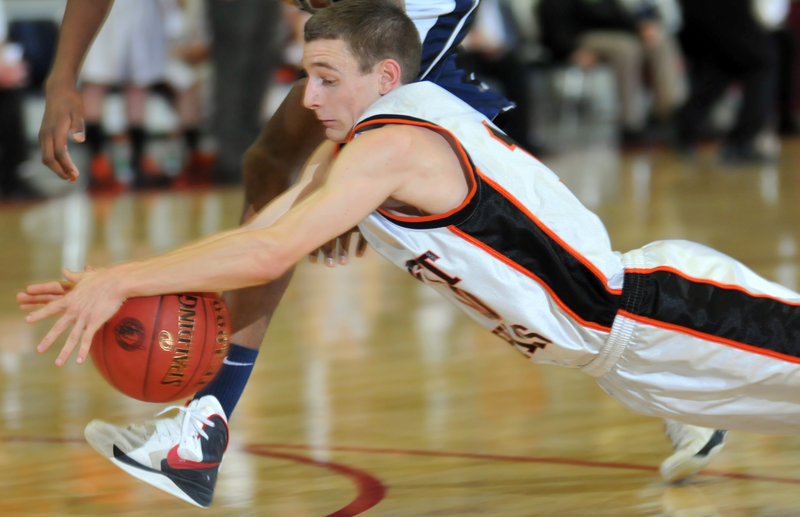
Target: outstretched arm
355, 184
63, 111
37, 295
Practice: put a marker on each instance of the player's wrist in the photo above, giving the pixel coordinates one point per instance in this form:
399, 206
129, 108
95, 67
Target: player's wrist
129, 283
60, 80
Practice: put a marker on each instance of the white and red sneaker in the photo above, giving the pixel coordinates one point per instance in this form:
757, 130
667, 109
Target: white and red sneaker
179, 454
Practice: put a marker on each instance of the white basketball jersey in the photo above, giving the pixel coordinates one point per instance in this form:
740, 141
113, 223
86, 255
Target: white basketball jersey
521, 255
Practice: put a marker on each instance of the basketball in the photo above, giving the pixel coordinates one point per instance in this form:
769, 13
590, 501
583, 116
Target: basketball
163, 348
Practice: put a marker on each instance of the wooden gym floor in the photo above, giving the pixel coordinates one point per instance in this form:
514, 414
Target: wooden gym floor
372, 396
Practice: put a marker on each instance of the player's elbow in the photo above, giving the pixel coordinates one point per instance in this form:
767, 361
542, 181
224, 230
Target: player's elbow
270, 261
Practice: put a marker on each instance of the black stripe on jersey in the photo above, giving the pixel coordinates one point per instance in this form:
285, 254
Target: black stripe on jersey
727, 313
495, 222
500, 225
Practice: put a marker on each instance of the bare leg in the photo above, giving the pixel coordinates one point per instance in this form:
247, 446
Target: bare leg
94, 95
101, 171
135, 102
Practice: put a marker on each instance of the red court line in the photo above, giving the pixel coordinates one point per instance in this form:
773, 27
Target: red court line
531, 459
371, 490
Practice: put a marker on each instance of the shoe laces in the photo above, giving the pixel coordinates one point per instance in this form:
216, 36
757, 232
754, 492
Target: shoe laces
191, 430
166, 429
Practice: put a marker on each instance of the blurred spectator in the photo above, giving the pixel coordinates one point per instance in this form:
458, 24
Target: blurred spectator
246, 44
38, 39
785, 36
630, 40
492, 50
727, 44
13, 142
129, 51
186, 74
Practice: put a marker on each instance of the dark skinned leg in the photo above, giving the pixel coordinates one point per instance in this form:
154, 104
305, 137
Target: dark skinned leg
269, 166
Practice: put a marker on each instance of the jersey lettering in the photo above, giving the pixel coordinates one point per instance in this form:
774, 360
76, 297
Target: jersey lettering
519, 336
422, 269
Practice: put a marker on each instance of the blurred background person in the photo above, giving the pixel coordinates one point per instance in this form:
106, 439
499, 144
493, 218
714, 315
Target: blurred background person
187, 78
246, 49
785, 35
13, 139
492, 49
630, 38
729, 44
129, 52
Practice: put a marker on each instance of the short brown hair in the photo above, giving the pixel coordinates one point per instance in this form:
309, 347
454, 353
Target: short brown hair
373, 30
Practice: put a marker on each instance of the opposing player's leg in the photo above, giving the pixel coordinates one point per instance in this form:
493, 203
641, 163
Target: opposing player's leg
157, 451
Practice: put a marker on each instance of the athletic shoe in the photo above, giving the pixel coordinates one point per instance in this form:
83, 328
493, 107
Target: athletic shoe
102, 179
148, 175
694, 447
197, 171
179, 455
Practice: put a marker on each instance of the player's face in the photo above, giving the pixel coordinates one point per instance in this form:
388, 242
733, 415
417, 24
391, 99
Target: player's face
337, 90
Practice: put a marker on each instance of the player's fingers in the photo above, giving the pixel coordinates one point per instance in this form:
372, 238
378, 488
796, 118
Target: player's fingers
28, 307
63, 158
78, 129
361, 245
72, 340
74, 277
49, 157
56, 330
51, 309
38, 298
313, 256
86, 342
28, 302
344, 248
328, 250
57, 287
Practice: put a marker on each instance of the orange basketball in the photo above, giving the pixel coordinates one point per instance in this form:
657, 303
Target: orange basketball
163, 348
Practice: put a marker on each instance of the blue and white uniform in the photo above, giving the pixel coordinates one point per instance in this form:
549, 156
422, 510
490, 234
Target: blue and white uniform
442, 25
673, 329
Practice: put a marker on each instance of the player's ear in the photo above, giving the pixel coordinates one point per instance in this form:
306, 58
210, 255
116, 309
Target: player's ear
390, 75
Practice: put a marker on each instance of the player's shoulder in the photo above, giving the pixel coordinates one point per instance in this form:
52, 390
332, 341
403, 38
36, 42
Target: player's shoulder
395, 144
387, 133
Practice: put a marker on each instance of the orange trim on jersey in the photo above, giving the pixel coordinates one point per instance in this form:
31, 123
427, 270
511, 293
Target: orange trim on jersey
710, 337
580, 258
720, 285
512, 147
529, 274
460, 150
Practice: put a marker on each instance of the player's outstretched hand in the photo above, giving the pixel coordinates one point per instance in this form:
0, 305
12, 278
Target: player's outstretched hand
36, 296
63, 114
337, 250
90, 301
